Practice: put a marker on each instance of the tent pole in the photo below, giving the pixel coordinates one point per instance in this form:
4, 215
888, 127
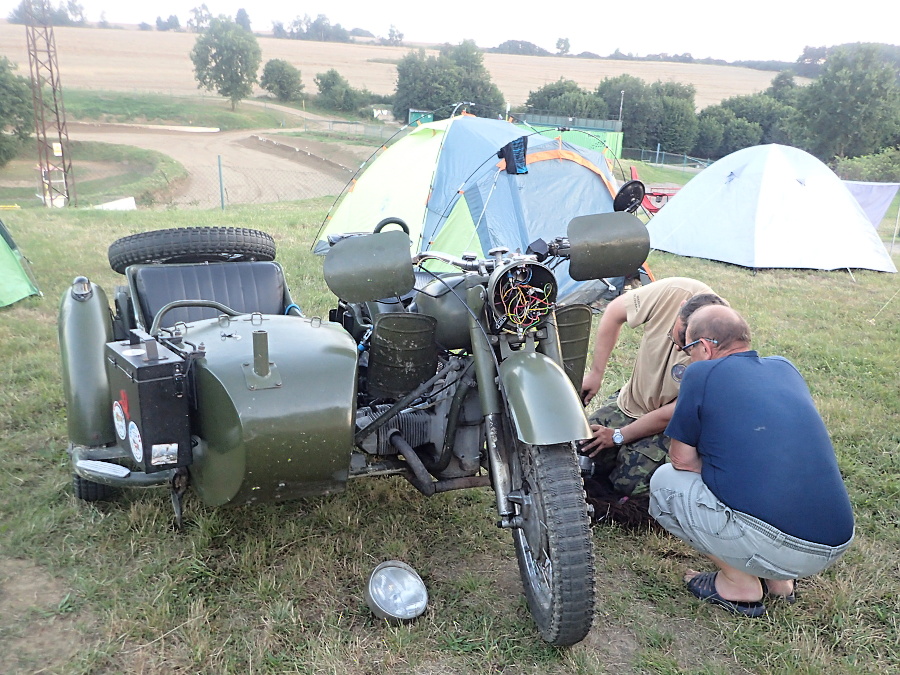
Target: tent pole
896, 227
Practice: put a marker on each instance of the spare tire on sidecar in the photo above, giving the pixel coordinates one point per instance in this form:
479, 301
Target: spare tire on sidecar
191, 245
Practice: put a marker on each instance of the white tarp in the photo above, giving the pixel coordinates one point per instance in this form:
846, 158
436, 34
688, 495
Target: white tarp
874, 198
770, 206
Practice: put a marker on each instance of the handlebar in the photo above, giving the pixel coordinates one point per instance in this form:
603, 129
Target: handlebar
465, 265
538, 250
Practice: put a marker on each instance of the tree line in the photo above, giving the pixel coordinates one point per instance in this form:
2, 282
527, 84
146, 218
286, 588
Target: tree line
852, 109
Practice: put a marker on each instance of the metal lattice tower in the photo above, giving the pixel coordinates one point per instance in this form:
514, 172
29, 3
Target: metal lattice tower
57, 181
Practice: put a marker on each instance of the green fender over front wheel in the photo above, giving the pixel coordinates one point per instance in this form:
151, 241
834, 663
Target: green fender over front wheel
544, 405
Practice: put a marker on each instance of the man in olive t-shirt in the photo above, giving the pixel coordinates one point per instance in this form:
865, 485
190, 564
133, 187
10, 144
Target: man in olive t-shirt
628, 443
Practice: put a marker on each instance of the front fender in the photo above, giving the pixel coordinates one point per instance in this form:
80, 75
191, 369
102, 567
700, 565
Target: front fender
544, 405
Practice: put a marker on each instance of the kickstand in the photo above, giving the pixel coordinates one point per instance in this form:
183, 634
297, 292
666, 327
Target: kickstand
179, 486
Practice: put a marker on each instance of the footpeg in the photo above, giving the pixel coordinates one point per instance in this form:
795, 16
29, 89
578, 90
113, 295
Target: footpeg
97, 468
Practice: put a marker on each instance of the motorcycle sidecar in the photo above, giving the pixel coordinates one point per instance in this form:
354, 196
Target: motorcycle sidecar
207, 371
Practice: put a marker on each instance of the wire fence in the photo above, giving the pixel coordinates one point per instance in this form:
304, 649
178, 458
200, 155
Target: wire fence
662, 158
230, 183
295, 174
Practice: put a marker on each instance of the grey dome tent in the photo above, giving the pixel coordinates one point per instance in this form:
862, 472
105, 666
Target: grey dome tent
770, 206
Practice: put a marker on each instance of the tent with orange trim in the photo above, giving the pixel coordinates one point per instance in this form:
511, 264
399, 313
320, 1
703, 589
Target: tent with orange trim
472, 184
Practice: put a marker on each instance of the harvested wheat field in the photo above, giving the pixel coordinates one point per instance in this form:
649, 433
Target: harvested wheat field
150, 61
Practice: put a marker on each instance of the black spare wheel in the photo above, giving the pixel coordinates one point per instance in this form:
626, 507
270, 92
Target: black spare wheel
191, 245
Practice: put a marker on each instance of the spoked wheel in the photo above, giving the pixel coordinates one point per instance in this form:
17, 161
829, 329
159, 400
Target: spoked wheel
553, 541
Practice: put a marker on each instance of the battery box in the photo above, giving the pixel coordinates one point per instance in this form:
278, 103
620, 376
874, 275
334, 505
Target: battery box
148, 387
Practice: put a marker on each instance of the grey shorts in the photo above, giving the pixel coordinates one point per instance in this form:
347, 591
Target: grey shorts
683, 505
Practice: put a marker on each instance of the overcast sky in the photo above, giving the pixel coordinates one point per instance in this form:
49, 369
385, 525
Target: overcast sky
754, 29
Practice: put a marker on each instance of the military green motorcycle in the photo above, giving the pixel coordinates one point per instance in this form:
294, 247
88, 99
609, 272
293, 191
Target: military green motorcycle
451, 372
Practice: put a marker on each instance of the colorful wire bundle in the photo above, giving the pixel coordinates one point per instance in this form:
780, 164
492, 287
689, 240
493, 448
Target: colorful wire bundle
523, 304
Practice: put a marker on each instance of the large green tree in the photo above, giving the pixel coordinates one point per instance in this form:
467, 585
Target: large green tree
437, 83
282, 80
775, 118
710, 133
641, 110
677, 128
16, 111
720, 132
783, 88
242, 19
854, 107
566, 98
71, 14
226, 59
335, 92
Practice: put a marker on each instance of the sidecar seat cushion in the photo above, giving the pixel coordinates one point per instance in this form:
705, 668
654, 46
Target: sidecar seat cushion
243, 286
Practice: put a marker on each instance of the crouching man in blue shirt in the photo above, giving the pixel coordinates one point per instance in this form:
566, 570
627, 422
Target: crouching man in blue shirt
753, 482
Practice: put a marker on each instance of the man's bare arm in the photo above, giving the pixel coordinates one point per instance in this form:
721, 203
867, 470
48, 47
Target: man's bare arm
614, 317
684, 457
654, 422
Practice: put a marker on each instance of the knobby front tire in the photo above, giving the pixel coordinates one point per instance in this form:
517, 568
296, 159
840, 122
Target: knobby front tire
553, 545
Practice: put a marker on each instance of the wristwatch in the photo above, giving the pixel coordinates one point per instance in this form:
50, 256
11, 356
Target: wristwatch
618, 438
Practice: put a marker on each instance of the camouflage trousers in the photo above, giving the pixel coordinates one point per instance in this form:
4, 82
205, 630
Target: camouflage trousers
628, 466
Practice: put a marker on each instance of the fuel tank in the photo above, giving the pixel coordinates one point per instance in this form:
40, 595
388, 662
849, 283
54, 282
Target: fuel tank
84, 327
275, 416
444, 299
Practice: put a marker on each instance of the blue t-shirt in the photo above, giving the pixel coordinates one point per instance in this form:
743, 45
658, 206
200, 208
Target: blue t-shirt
764, 447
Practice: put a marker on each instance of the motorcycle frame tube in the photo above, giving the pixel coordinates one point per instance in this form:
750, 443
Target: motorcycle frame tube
483, 353
486, 375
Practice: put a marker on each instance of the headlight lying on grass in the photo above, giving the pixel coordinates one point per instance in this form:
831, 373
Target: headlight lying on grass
396, 592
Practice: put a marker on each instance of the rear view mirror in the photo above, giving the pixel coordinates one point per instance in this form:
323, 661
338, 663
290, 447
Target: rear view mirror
370, 267
606, 245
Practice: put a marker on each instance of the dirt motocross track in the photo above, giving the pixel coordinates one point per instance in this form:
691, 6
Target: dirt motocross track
257, 167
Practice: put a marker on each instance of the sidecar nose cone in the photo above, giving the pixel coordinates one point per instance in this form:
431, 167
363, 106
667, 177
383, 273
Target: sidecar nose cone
396, 592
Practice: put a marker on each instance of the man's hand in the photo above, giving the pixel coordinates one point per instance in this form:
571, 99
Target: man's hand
602, 439
590, 385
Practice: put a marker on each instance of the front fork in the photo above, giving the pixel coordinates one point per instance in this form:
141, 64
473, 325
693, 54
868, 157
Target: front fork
498, 433
491, 404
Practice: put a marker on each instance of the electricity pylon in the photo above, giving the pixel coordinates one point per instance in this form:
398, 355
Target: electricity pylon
55, 164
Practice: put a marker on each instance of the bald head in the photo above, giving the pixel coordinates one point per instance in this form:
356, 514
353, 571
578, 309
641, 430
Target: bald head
722, 324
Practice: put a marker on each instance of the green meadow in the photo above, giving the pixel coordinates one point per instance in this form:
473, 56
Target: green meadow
279, 588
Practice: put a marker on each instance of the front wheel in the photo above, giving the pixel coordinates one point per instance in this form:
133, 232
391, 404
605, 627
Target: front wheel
553, 541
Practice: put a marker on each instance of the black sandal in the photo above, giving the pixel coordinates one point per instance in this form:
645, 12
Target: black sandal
704, 587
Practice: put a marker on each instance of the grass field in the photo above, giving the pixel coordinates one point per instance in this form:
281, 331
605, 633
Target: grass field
278, 588
143, 108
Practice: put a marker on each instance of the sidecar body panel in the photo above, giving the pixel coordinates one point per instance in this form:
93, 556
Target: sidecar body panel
84, 329
542, 401
279, 435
